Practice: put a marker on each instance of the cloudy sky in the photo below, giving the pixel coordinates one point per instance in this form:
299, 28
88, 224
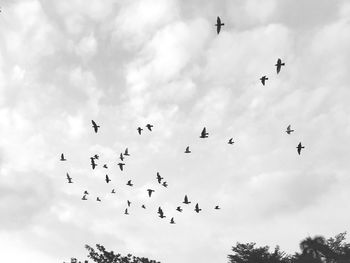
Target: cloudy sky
129, 63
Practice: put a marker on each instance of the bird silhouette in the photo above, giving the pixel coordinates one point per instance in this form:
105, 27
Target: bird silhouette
84, 197
95, 126
98, 199
165, 184
129, 183
62, 158
69, 179
113, 191
218, 25
172, 221
279, 65
105, 166
128, 202
179, 209
289, 131
217, 207
186, 200
126, 211
159, 178
121, 157
299, 147
107, 179
126, 152
121, 166
231, 141
150, 191
187, 149
197, 209
263, 79
86, 192
143, 206
139, 130
149, 127
161, 213
96, 156
204, 133
93, 164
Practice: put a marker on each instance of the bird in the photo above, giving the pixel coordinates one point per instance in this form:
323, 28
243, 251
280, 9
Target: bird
139, 129
186, 200
179, 209
230, 141
159, 178
107, 179
149, 127
95, 126
105, 166
62, 158
86, 192
113, 191
161, 213
197, 209
172, 221
217, 207
129, 183
299, 147
218, 25
126, 211
98, 199
204, 133
121, 157
126, 152
84, 197
263, 79
165, 184
93, 164
121, 166
150, 191
289, 131
128, 202
96, 156
69, 179
279, 65
143, 206
187, 149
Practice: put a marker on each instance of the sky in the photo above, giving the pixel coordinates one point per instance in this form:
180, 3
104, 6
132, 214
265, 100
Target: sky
128, 63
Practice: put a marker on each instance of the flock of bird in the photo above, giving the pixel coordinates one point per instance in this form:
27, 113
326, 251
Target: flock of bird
204, 134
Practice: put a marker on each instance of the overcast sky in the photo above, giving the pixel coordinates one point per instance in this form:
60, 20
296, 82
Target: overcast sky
129, 63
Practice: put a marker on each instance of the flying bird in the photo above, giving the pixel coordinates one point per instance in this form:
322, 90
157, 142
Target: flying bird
165, 184
150, 191
96, 156
149, 127
204, 133
143, 206
289, 131
86, 192
84, 197
139, 129
126, 153
218, 25
161, 213
278, 65
93, 164
217, 207
231, 141
187, 149
129, 183
126, 211
98, 199
121, 157
179, 209
129, 203
107, 179
197, 209
172, 221
121, 166
159, 178
69, 179
263, 79
62, 158
299, 147
105, 166
113, 191
186, 200
95, 126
